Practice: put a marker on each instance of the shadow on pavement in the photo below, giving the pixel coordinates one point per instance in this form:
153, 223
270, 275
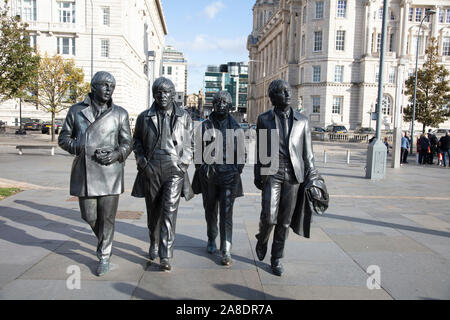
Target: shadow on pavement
246, 293
389, 225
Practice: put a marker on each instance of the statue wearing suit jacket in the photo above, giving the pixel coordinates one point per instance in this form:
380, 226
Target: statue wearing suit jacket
283, 184
163, 146
97, 132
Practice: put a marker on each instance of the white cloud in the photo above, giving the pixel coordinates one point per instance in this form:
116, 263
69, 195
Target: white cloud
213, 9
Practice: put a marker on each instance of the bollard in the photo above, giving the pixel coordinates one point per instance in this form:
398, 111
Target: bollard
324, 156
348, 156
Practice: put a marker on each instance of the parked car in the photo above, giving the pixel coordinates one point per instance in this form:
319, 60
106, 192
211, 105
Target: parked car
439, 132
46, 127
365, 130
35, 124
318, 129
245, 126
336, 129
253, 127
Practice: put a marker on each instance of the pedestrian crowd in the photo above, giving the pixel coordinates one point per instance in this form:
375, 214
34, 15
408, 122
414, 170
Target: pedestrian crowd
429, 147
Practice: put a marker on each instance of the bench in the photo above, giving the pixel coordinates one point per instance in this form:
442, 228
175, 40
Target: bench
47, 147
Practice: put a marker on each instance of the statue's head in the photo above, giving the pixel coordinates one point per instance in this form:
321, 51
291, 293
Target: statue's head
280, 94
164, 92
102, 86
222, 103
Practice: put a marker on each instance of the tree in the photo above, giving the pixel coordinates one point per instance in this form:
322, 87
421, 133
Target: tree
58, 85
433, 91
18, 61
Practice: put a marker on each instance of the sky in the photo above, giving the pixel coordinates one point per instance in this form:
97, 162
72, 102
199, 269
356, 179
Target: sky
208, 32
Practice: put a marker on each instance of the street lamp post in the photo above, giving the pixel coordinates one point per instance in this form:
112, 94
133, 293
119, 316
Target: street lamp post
413, 118
92, 40
377, 152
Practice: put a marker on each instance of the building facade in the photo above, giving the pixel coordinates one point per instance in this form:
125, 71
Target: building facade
232, 77
127, 41
174, 67
329, 51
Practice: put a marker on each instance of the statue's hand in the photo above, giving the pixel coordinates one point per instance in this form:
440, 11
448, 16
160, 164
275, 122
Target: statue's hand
141, 163
316, 193
107, 157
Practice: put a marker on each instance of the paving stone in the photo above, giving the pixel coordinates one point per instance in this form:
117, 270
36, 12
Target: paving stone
283, 292
227, 284
378, 243
57, 290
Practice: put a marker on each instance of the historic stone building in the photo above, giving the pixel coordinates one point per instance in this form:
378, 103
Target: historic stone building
128, 41
329, 51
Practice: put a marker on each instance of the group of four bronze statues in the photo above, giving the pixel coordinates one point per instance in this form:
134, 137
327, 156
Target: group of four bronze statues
98, 133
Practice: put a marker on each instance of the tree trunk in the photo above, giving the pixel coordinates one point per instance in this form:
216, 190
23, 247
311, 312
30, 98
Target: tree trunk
53, 126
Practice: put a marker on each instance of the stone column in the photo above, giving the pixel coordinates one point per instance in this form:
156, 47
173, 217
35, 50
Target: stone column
368, 29
291, 44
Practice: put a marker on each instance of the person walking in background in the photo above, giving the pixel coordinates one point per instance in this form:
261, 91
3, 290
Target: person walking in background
386, 143
444, 145
404, 149
425, 147
433, 146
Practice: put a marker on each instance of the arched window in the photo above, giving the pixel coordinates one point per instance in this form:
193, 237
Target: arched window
386, 106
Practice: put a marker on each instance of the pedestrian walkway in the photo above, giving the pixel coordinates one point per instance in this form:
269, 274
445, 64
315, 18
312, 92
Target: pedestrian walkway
399, 227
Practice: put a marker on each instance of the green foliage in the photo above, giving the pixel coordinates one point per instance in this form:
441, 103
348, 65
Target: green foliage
433, 91
18, 61
6, 192
58, 85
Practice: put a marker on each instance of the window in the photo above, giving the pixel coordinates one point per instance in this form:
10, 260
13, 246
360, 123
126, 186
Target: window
338, 73
417, 41
65, 45
315, 104
441, 15
319, 10
169, 70
26, 9
337, 104
391, 42
392, 75
341, 8
386, 106
378, 42
446, 47
163, 71
377, 74
380, 13
448, 16
418, 14
105, 48
304, 14
66, 11
411, 14
316, 74
303, 45
106, 16
302, 75
392, 15
427, 17
317, 41
340, 40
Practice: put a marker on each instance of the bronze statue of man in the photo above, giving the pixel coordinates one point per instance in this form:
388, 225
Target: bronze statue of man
284, 188
164, 148
219, 179
98, 133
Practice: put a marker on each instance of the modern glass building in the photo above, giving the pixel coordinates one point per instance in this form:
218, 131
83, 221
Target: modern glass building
232, 77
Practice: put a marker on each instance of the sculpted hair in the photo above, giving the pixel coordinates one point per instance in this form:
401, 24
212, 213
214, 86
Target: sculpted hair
162, 82
102, 76
222, 94
277, 85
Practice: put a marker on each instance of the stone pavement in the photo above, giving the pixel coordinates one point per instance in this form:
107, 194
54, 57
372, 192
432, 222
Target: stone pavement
401, 225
